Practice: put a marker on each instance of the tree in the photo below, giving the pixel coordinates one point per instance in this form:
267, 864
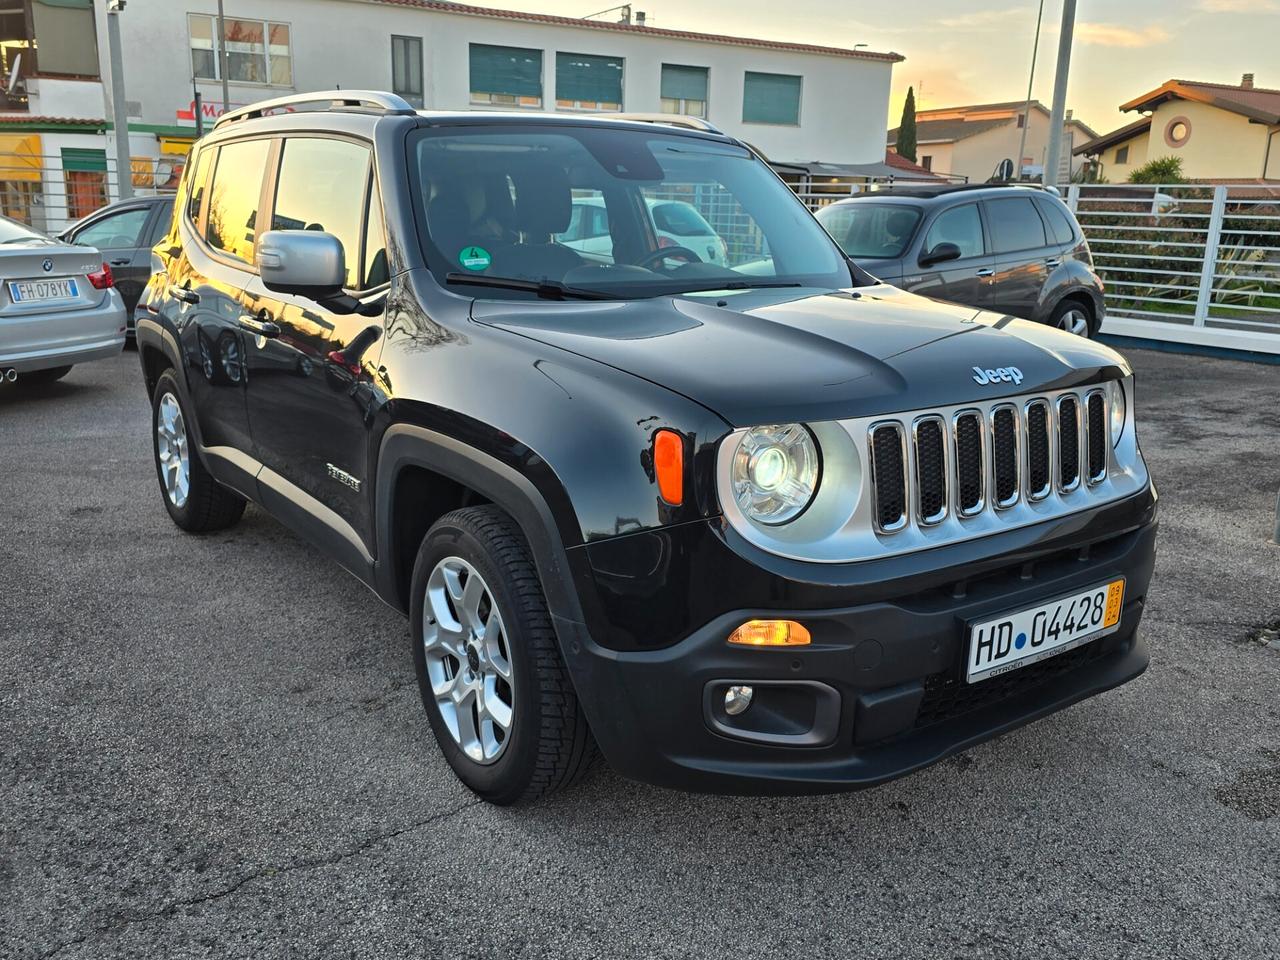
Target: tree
1159, 170
906, 145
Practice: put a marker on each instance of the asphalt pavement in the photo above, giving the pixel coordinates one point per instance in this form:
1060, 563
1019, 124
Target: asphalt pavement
214, 747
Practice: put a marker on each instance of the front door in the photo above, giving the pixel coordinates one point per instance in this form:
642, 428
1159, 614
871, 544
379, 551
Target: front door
1022, 254
310, 396
963, 280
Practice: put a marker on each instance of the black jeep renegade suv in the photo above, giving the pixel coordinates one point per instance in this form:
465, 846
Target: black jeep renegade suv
757, 524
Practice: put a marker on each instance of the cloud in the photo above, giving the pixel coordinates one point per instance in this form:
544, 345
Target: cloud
1114, 35
982, 19
1239, 6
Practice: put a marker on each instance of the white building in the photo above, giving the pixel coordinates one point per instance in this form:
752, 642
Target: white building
794, 102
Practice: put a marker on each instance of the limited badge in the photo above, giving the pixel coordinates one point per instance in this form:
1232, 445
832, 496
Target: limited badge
475, 258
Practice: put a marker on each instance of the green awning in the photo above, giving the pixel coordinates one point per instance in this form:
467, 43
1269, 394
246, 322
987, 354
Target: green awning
771, 98
684, 83
514, 71
79, 158
586, 78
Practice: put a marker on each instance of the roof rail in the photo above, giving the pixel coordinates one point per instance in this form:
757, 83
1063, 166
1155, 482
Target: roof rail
670, 119
355, 101
924, 188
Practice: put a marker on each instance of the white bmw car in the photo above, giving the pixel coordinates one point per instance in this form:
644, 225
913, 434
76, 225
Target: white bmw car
58, 306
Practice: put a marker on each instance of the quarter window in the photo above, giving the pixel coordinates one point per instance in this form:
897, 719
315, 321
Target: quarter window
507, 76
1059, 223
684, 90
196, 185
1015, 225
258, 51
406, 68
961, 226
771, 98
586, 82
231, 225
376, 270
322, 186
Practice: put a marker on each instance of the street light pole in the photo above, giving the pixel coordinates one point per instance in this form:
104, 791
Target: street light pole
119, 107
1058, 116
223, 59
1026, 110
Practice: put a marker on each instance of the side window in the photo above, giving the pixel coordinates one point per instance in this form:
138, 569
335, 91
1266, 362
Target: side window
322, 186
196, 186
1056, 218
376, 271
231, 224
1015, 225
961, 226
117, 231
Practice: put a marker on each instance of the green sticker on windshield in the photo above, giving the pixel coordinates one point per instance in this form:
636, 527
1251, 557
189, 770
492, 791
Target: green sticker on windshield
475, 258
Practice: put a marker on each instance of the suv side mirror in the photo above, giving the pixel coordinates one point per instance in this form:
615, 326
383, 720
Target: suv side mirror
302, 262
940, 254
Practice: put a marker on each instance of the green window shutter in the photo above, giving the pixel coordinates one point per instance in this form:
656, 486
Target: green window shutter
771, 98
582, 77
514, 71
79, 158
684, 83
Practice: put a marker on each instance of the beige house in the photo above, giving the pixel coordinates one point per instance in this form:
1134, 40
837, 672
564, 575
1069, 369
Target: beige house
1221, 132
973, 141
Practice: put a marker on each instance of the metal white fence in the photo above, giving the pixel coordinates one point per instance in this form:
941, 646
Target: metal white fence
1195, 263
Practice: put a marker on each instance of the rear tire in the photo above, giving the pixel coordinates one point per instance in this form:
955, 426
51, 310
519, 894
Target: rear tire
1072, 316
196, 502
485, 651
41, 377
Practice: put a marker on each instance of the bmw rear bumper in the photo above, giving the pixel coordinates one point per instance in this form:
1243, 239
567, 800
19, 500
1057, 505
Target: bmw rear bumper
40, 342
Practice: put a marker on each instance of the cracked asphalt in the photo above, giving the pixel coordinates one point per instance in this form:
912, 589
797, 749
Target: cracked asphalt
214, 747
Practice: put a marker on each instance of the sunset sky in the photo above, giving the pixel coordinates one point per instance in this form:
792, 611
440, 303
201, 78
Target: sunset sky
961, 51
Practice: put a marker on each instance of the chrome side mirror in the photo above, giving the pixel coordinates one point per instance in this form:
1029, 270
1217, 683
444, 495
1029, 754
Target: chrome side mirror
307, 263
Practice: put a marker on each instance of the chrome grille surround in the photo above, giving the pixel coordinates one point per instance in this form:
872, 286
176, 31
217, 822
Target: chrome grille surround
889, 479
929, 519
841, 526
1069, 424
1094, 477
1017, 430
1032, 410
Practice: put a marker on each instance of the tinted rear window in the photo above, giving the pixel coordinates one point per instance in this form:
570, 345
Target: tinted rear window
1015, 225
1058, 220
871, 231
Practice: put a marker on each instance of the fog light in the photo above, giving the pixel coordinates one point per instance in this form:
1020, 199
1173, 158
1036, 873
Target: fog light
737, 699
770, 633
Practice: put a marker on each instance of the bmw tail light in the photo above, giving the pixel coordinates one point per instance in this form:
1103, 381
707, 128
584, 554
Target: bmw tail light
102, 279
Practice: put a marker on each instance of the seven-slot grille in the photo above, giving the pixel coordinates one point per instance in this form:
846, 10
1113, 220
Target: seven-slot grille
992, 459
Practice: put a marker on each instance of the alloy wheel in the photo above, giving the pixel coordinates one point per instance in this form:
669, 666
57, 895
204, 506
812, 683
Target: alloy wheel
468, 659
172, 451
1076, 321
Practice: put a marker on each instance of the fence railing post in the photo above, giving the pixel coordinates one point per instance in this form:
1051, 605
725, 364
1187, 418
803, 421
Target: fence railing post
1073, 198
1204, 296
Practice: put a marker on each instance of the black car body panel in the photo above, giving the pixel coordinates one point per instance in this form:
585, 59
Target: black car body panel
357, 430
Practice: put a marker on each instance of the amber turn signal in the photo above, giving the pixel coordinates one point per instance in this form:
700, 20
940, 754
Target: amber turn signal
668, 464
770, 633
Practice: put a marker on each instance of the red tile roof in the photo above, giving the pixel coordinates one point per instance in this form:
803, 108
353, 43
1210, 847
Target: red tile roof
63, 121
464, 9
892, 159
1120, 135
1256, 103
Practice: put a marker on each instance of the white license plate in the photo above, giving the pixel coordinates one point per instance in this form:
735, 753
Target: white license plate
24, 290
1028, 636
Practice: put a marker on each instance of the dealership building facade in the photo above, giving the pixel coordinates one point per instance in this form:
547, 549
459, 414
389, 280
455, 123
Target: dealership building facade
796, 103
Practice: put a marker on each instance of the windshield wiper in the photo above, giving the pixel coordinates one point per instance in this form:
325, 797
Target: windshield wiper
740, 285
545, 289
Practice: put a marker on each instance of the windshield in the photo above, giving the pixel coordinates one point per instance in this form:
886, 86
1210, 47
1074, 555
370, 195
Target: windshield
611, 212
871, 231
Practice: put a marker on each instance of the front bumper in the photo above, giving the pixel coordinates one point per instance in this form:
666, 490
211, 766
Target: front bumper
875, 696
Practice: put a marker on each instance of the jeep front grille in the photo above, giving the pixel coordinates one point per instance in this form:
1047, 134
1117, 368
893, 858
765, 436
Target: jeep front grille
992, 458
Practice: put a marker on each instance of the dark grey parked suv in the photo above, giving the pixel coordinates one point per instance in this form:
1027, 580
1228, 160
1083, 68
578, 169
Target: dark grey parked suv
1010, 249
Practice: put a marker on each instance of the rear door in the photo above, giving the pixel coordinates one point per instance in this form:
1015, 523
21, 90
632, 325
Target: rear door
310, 380
219, 230
964, 280
1023, 252
120, 233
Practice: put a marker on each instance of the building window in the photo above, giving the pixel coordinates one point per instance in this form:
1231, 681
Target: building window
684, 90
406, 68
586, 82
1177, 131
926, 161
66, 39
1122, 154
1022, 120
506, 76
85, 174
258, 51
771, 98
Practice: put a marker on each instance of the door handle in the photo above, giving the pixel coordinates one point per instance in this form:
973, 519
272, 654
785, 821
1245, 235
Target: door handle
183, 294
986, 272
1052, 262
263, 328
122, 262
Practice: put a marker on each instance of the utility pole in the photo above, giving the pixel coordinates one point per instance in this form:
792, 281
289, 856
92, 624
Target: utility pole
119, 107
1058, 116
1026, 111
223, 59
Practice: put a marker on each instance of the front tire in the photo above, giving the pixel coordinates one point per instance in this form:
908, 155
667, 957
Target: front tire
496, 691
196, 502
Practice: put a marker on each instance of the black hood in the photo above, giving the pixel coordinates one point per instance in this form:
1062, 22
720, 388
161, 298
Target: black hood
771, 356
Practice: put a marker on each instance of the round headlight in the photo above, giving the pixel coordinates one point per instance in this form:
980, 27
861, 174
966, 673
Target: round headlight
1117, 411
775, 472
